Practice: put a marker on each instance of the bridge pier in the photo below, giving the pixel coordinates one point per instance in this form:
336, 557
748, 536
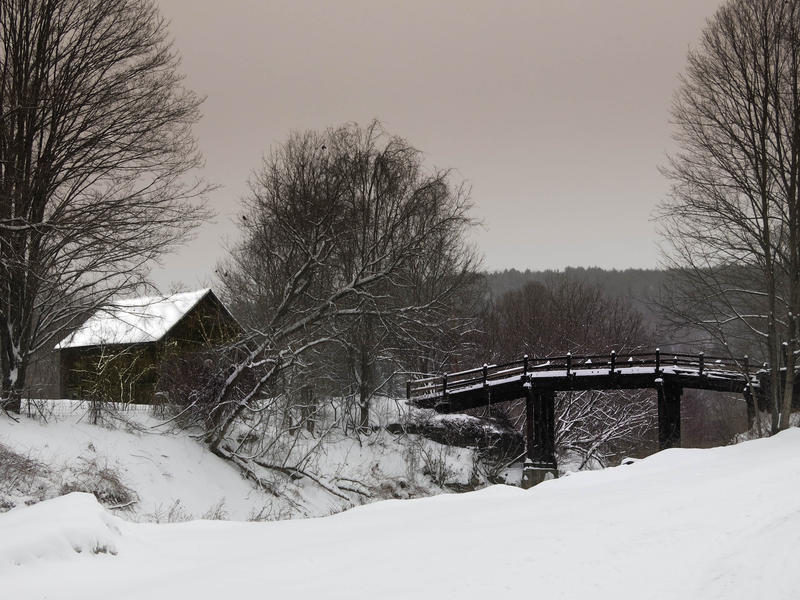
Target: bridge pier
540, 425
669, 415
752, 410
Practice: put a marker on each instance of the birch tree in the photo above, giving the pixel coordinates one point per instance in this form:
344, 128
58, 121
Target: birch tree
95, 149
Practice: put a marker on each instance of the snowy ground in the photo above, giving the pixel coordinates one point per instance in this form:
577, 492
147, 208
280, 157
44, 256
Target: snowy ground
169, 476
172, 477
707, 524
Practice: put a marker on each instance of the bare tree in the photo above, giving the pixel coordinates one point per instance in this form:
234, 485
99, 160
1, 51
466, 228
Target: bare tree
732, 223
337, 239
563, 314
388, 199
95, 147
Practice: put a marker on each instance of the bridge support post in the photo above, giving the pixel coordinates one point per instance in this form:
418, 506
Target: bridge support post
750, 402
540, 454
669, 415
529, 428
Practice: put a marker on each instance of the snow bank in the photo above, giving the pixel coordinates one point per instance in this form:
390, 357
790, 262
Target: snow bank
708, 524
56, 530
173, 477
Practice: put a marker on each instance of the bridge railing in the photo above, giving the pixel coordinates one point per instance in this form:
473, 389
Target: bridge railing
569, 364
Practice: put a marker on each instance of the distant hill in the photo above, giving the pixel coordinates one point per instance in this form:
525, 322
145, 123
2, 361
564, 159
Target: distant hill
641, 286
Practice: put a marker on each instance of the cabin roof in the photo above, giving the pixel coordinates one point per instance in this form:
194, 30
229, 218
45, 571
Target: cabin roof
134, 320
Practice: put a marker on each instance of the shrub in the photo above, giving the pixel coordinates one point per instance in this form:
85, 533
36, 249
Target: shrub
102, 481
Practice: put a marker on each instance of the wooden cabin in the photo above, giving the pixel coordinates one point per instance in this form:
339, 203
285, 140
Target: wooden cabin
117, 353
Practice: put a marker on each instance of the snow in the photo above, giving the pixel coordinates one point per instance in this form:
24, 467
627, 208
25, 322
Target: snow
584, 372
57, 530
175, 477
712, 524
169, 472
133, 321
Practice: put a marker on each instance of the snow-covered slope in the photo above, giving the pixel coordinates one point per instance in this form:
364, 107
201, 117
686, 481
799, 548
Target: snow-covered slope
168, 476
152, 473
701, 524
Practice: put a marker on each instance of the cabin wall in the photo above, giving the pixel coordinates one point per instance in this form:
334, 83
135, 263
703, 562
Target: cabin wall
43, 377
110, 373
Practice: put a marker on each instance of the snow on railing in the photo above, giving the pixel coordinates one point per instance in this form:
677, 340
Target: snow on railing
570, 365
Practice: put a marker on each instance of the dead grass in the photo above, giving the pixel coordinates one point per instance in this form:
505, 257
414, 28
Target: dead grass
89, 475
22, 478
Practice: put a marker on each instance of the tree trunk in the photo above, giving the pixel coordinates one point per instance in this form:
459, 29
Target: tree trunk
366, 375
13, 369
308, 409
774, 352
364, 391
788, 388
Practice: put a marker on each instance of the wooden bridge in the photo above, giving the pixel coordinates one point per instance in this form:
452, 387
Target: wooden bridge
538, 380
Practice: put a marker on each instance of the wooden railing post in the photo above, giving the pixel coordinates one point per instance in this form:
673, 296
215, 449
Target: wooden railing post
613, 361
569, 363
485, 374
701, 361
525, 366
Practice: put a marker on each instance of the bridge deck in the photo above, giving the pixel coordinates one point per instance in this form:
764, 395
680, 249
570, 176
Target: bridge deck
497, 383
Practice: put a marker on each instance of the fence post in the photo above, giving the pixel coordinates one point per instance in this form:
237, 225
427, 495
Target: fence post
701, 360
569, 363
658, 361
485, 374
525, 366
613, 361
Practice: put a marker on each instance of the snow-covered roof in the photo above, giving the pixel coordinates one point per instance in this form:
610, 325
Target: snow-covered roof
133, 321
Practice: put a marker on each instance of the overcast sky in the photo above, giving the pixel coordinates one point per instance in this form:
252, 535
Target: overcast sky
555, 111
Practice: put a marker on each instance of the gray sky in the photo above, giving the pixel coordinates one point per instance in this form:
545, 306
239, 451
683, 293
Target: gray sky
556, 111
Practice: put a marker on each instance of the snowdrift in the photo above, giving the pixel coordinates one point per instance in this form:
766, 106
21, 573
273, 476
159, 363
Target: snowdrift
706, 524
57, 529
